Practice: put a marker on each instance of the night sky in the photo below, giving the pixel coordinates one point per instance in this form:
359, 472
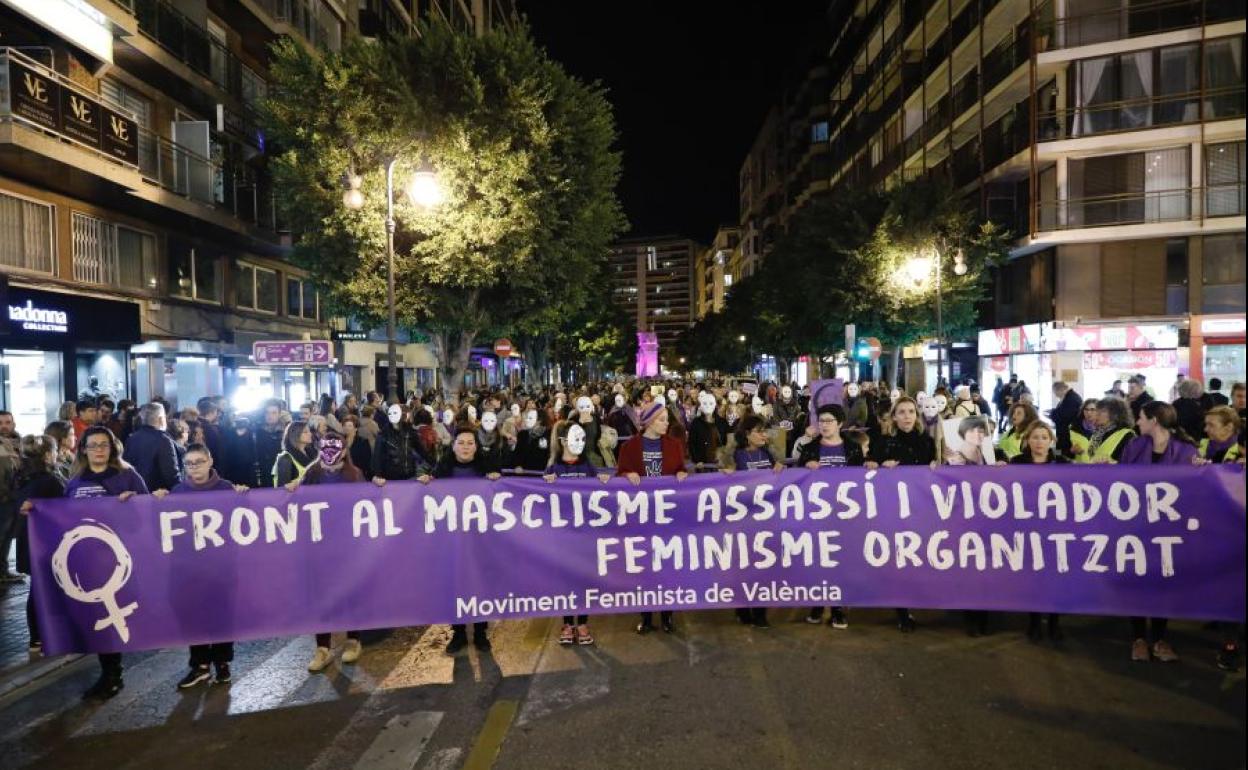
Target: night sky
690, 82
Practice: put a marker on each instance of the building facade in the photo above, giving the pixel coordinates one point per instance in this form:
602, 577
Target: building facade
1109, 138
136, 203
714, 273
652, 279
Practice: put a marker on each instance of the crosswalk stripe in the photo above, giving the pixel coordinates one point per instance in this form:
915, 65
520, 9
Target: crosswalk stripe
401, 742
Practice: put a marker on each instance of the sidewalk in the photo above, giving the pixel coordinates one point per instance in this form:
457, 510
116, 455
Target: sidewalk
18, 666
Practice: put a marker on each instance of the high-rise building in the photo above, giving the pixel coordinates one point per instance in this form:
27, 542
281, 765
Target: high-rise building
713, 274
652, 279
1107, 136
136, 207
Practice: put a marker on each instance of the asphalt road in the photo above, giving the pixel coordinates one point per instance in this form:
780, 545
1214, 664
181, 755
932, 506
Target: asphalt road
713, 695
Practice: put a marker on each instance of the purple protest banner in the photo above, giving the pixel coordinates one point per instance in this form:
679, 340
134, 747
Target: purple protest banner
1106, 540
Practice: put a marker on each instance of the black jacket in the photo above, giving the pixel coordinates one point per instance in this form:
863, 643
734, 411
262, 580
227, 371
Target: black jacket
394, 454
1138, 404
532, 450
701, 433
37, 486
362, 456
445, 468
913, 448
268, 446
1067, 412
154, 456
1191, 417
810, 451
238, 463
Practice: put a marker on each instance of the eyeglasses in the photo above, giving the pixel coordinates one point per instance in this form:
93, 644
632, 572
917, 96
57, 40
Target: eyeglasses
97, 445
826, 420
196, 463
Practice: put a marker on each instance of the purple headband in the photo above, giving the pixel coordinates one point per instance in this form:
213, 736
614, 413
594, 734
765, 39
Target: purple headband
650, 412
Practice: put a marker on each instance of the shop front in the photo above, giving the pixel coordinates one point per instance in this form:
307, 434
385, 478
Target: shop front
365, 365
1088, 358
1218, 349
57, 347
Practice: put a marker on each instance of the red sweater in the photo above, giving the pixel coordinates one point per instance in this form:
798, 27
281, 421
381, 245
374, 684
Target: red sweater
630, 456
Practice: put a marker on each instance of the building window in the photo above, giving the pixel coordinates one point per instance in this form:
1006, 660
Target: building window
115, 255
25, 234
652, 258
1222, 289
1153, 186
1224, 78
252, 86
1176, 276
1224, 179
255, 288
193, 274
819, 132
301, 299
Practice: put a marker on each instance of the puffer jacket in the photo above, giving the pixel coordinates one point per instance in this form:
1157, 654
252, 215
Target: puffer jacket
395, 457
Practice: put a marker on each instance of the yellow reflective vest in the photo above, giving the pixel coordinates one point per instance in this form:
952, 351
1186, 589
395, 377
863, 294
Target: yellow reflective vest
1105, 452
1232, 455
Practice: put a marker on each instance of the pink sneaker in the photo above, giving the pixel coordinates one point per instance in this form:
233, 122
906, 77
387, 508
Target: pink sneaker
583, 636
1139, 651
1163, 652
567, 635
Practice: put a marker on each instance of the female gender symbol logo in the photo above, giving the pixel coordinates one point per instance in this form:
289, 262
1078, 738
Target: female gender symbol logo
107, 594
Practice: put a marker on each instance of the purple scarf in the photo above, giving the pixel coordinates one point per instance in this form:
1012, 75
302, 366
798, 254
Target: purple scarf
1215, 447
1140, 452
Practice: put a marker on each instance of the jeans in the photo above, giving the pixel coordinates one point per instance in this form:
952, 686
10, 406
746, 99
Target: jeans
1139, 628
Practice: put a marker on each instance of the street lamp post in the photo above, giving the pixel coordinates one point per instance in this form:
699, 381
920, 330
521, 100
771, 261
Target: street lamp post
423, 190
920, 269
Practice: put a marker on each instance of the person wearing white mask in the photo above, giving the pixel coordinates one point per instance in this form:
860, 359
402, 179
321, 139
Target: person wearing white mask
929, 414
623, 416
585, 417
394, 454
444, 425
735, 409
571, 461
708, 432
533, 442
788, 416
494, 447
856, 407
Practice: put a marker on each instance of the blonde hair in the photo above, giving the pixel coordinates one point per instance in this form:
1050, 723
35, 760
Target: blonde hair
1226, 416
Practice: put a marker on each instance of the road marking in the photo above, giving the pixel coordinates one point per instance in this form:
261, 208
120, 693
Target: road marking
446, 759
132, 708
401, 742
271, 681
557, 691
490, 740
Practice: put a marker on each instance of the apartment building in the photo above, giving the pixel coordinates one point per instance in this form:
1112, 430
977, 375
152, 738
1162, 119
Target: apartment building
652, 279
717, 268
136, 204
1108, 136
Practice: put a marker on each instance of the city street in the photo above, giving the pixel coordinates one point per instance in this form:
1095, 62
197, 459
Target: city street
713, 695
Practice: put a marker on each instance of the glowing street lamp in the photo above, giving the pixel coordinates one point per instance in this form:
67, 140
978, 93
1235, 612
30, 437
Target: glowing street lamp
423, 190
919, 269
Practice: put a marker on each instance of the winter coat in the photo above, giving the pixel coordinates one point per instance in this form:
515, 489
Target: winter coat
1191, 417
630, 459
809, 451
38, 486
532, 450
110, 483
394, 455
214, 484
154, 457
268, 443
1140, 452
238, 462
701, 435
1067, 412
290, 468
913, 448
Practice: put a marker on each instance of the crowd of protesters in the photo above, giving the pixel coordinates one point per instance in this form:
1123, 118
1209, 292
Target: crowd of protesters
629, 429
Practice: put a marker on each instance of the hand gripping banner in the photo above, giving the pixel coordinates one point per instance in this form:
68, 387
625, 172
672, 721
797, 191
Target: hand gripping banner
219, 566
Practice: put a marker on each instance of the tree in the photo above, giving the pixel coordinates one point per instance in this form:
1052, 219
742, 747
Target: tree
522, 150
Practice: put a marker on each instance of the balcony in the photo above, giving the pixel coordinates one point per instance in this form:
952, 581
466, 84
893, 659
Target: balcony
1003, 60
302, 18
1146, 207
1135, 20
140, 159
1149, 112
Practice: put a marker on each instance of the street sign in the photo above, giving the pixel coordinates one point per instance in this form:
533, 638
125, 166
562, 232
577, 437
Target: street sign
293, 352
873, 347
502, 347
349, 335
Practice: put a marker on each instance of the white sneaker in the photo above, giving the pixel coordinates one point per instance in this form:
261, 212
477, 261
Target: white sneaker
320, 660
351, 652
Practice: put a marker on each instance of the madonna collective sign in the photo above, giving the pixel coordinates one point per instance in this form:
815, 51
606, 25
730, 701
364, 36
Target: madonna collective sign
214, 566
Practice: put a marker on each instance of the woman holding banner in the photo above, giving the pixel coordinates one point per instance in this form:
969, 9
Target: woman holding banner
752, 454
36, 479
1021, 416
653, 453
1161, 442
465, 460
570, 462
201, 477
903, 442
830, 451
99, 471
1082, 430
1039, 448
333, 466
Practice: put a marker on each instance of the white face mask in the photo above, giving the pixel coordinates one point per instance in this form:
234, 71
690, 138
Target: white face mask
786, 392
660, 401
576, 440
942, 403
757, 404
619, 401
671, 397
448, 417
515, 410
584, 405
394, 413
489, 421
851, 390
930, 408
894, 394
472, 412
530, 420
706, 403
733, 397
920, 397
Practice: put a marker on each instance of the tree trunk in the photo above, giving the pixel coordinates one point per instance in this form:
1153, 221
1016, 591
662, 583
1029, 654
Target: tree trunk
453, 348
